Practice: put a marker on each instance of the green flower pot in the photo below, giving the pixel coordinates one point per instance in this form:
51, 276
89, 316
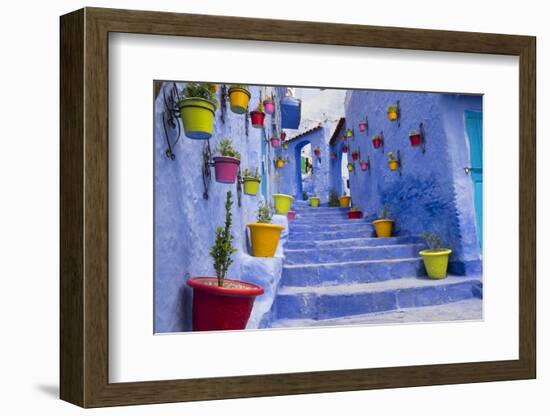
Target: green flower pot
197, 115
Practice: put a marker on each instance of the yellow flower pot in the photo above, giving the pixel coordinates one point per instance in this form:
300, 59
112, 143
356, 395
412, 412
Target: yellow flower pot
314, 201
344, 201
393, 164
279, 163
251, 185
282, 203
264, 238
392, 115
197, 116
436, 262
238, 100
383, 227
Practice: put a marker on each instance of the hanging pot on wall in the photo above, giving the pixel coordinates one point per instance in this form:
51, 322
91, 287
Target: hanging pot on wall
393, 112
275, 141
317, 151
355, 155
415, 138
257, 119
363, 126
197, 116
269, 106
226, 168
238, 99
377, 141
251, 185
364, 165
344, 148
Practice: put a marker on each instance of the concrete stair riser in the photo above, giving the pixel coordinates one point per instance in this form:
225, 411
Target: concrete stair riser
330, 235
313, 227
355, 242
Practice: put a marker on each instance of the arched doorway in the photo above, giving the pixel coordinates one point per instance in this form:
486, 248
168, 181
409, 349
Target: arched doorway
304, 169
344, 174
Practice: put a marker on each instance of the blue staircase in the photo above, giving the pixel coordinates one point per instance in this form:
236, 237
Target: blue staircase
335, 267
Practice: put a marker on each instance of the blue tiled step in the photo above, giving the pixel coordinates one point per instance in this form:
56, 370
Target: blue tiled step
362, 271
349, 225
351, 242
320, 234
325, 302
334, 255
309, 210
336, 221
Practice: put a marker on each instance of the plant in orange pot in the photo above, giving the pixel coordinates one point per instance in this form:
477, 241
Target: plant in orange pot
264, 235
220, 303
383, 225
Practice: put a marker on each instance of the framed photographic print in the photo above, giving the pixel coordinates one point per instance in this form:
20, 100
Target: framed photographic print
257, 207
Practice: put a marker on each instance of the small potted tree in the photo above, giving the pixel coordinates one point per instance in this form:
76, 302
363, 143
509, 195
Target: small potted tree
314, 201
197, 109
251, 181
333, 200
220, 303
393, 162
257, 116
355, 213
264, 235
269, 105
383, 225
344, 201
238, 98
436, 258
226, 166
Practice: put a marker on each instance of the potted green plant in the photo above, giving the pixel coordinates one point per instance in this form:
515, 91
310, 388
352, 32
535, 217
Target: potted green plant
220, 303
197, 109
251, 181
436, 258
393, 162
264, 235
226, 166
304, 196
355, 213
333, 200
383, 225
238, 98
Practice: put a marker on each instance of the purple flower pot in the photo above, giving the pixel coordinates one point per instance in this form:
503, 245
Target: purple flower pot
363, 126
291, 215
275, 142
226, 169
269, 106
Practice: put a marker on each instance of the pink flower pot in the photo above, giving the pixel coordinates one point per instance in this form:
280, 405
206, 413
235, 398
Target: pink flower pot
363, 126
275, 142
283, 135
226, 169
257, 119
364, 165
291, 215
355, 155
269, 106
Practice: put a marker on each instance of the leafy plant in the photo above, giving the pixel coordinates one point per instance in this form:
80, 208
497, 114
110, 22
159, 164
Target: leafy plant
384, 213
355, 208
225, 147
248, 174
413, 133
304, 195
200, 90
433, 241
222, 249
391, 156
264, 213
244, 87
392, 108
333, 200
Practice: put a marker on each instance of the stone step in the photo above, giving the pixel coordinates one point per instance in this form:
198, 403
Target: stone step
308, 209
326, 302
322, 235
349, 225
351, 242
361, 271
462, 310
333, 221
334, 255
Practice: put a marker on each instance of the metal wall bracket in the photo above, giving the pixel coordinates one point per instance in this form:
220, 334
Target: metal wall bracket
170, 119
239, 187
422, 137
223, 102
206, 164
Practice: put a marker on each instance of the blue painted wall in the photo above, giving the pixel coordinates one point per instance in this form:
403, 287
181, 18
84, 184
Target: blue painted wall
290, 176
433, 193
185, 222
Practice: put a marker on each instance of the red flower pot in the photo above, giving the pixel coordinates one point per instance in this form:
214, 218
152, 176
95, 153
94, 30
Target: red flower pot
222, 308
377, 142
355, 215
364, 165
415, 139
257, 119
275, 142
269, 106
344, 149
363, 126
226, 169
283, 135
355, 155
316, 152
291, 215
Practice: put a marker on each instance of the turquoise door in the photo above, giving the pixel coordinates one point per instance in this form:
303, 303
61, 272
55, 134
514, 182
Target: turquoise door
474, 129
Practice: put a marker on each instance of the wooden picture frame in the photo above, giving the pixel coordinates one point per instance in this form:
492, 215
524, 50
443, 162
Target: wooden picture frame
84, 207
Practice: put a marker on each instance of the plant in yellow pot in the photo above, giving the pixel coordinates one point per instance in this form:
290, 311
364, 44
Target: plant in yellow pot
314, 201
283, 203
264, 236
393, 162
344, 201
436, 257
383, 225
251, 181
238, 98
197, 109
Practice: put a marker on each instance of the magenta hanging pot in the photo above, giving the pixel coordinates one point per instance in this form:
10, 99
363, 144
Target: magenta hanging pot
226, 169
355, 155
283, 135
377, 142
363, 126
364, 165
345, 148
275, 142
269, 106
257, 119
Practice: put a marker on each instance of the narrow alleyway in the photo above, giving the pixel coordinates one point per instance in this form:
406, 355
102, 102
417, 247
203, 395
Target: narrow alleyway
336, 271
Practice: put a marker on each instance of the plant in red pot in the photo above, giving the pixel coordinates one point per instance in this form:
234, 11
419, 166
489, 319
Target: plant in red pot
355, 213
220, 303
257, 116
344, 148
226, 166
415, 138
355, 155
377, 141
